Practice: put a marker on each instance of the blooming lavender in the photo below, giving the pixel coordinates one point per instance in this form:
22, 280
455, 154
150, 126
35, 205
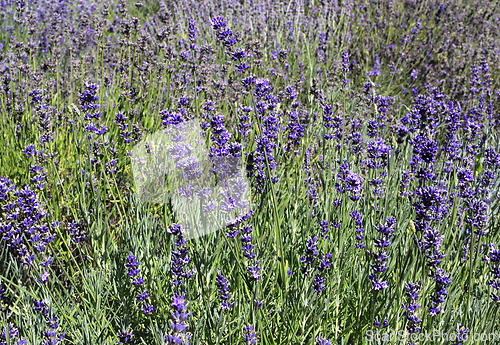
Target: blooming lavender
125, 132
349, 182
356, 217
178, 321
264, 162
50, 335
45, 116
378, 154
295, 129
332, 123
345, 66
324, 229
223, 290
385, 323
253, 270
126, 337
224, 35
310, 254
23, 227
192, 34
394, 111
460, 335
323, 341
319, 279
88, 103
379, 254
76, 231
494, 259
180, 257
244, 123
310, 182
137, 281
411, 306
429, 204
10, 333
249, 335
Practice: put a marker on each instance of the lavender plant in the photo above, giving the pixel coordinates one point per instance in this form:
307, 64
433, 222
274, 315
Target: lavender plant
369, 132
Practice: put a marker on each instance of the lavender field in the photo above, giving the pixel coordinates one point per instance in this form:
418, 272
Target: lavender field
367, 133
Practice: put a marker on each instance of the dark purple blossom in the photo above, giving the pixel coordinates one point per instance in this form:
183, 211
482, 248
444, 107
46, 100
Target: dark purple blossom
133, 271
178, 321
249, 335
180, 257
356, 217
411, 306
493, 257
126, 337
223, 291
460, 335
379, 254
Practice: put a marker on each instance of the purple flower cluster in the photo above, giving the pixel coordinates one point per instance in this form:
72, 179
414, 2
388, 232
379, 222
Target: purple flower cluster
264, 161
379, 254
430, 207
223, 290
133, 271
180, 257
324, 229
429, 204
77, 231
385, 323
244, 123
192, 34
173, 117
460, 335
310, 254
50, 334
88, 103
178, 323
310, 181
219, 136
10, 332
432, 243
319, 279
223, 35
249, 335
126, 337
358, 223
378, 154
333, 124
411, 306
323, 341
493, 258
125, 133
423, 117
295, 128
247, 247
245, 239
349, 182
345, 66
39, 158
45, 116
22, 227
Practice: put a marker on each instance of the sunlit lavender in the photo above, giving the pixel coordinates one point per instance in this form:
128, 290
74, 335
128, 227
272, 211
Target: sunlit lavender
249, 172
